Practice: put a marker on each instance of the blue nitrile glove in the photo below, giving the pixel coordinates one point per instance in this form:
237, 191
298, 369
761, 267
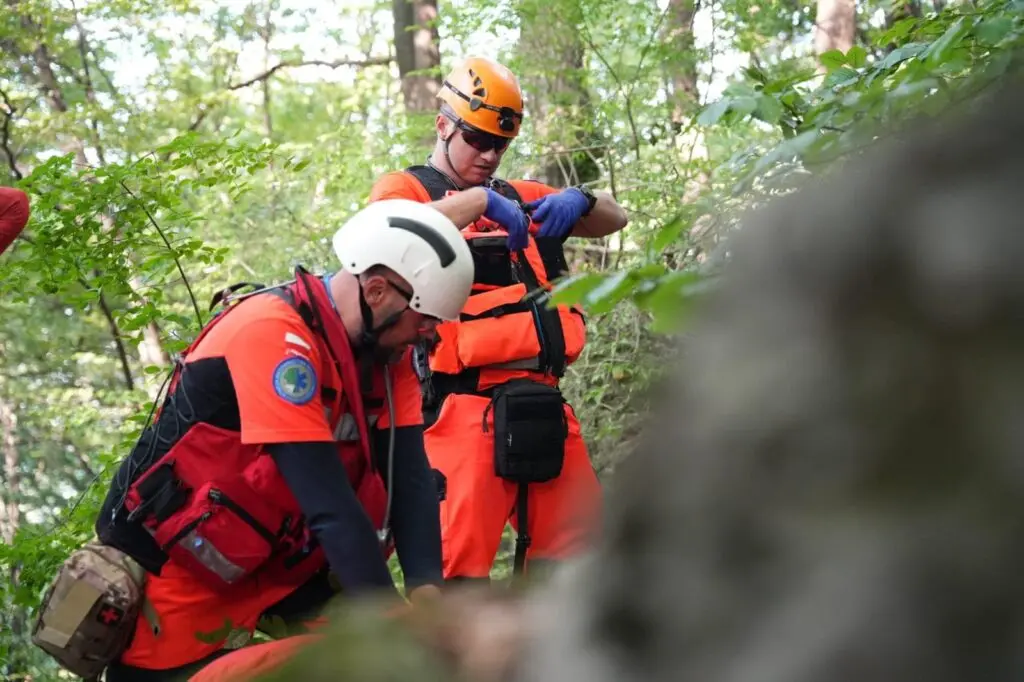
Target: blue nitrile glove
510, 216
557, 213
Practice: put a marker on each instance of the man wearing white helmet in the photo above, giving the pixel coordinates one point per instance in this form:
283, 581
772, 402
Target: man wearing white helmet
260, 471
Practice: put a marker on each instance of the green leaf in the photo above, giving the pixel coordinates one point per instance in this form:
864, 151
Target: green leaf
574, 288
992, 31
668, 233
832, 59
610, 291
897, 32
743, 106
938, 50
216, 636
769, 109
857, 56
844, 75
713, 112
782, 84
791, 148
668, 300
901, 54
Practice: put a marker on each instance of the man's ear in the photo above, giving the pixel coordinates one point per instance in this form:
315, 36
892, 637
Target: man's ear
374, 289
444, 126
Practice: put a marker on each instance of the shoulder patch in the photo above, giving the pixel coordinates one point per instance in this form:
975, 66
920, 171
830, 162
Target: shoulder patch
295, 380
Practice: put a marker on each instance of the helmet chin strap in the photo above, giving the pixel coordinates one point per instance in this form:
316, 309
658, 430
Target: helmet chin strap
462, 183
371, 335
369, 339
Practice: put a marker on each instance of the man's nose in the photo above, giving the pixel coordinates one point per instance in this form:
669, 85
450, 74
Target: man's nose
490, 156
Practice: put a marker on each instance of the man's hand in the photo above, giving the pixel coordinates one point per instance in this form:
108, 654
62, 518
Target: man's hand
418, 598
558, 213
510, 216
424, 594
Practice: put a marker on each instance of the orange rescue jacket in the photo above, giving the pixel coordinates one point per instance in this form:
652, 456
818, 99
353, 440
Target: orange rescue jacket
208, 513
505, 331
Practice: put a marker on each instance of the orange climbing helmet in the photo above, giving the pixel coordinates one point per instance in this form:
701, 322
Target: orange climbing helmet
485, 95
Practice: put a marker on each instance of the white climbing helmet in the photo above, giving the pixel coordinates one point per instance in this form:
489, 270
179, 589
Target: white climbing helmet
417, 242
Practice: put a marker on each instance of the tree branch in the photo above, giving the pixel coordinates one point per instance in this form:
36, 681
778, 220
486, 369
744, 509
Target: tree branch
115, 331
376, 61
90, 91
5, 140
122, 353
267, 32
48, 79
585, 34
203, 113
181, 270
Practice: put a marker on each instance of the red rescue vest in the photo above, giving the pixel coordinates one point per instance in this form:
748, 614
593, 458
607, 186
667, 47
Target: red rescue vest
220, 508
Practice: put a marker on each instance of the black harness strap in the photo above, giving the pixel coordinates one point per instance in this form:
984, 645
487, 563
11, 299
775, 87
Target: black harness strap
546, 321
523, 536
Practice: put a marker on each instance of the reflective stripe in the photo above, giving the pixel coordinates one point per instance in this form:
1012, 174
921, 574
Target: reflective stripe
210, 557
346, 429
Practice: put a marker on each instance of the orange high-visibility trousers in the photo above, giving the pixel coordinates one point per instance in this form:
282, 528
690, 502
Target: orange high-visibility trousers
562, 514
248, 662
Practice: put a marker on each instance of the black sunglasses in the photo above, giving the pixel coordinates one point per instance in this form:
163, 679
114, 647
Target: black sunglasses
481, 141
407, 295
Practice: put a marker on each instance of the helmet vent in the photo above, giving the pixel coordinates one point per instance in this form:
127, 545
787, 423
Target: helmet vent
443, 249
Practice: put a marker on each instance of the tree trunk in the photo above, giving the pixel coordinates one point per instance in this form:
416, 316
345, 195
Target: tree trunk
551, 72
834, 27
9, 443
683, 68
900, 10
267, 32
151, 349
416, 49
10, 518
685, 102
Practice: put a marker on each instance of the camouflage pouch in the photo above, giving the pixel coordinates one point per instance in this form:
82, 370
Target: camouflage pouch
87, 618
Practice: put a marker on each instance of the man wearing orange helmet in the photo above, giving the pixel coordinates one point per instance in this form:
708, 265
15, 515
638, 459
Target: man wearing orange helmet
504, 444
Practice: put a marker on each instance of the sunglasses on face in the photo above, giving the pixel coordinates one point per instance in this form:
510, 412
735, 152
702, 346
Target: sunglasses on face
483, 142
408, 297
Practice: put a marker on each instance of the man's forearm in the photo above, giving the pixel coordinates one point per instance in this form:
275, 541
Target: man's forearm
463, 207
415, 514
606, 218
319, 482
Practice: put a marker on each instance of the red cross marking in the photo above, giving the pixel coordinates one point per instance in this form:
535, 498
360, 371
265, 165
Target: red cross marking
109, 616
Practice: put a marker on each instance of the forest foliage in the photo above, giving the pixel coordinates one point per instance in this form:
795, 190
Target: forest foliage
174, 147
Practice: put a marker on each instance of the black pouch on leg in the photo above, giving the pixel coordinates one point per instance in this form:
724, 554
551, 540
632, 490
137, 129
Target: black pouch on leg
530, 429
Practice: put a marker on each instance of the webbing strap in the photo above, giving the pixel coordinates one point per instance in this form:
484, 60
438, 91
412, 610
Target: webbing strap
548, 323
523, 537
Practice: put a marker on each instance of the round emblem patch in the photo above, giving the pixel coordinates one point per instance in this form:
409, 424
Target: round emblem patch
295, 380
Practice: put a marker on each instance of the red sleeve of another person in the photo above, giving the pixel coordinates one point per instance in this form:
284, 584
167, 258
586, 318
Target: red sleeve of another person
13, 215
